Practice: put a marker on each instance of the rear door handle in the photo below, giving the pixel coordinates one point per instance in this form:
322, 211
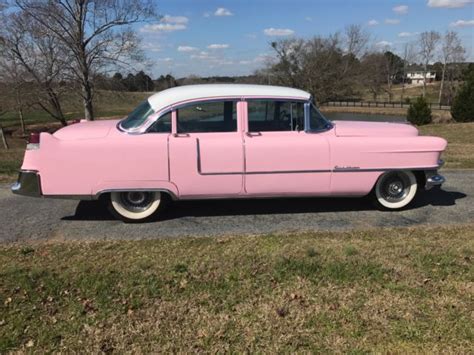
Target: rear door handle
180, 135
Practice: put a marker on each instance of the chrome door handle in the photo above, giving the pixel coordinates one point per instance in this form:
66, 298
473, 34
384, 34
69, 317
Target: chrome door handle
180, 135
253, 134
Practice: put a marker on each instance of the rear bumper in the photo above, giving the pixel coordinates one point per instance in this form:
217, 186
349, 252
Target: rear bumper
28, 184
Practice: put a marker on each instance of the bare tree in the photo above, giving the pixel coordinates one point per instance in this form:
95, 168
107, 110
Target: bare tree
409, 56
427, 43
98, 34
375, 67
355, 42
42, 59
452, 51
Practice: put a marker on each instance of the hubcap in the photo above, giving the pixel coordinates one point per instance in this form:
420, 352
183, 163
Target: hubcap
136, 201
395, 187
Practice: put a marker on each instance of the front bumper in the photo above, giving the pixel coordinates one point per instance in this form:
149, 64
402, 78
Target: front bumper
28, 184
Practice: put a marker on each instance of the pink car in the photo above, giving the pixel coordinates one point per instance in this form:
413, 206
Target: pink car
228, 141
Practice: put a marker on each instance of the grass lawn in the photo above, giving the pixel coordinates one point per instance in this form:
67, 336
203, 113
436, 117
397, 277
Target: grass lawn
388, 290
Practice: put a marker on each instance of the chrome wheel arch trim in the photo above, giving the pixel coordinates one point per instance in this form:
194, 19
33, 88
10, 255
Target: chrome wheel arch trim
102, 192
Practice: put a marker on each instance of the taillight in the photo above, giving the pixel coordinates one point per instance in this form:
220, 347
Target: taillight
33, 141
34, 138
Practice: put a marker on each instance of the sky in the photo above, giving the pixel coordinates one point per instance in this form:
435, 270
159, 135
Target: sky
232, 37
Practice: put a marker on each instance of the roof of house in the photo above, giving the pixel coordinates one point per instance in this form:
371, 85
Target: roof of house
181, 94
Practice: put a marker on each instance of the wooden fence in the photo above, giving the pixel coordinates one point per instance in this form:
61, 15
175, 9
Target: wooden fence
392, 104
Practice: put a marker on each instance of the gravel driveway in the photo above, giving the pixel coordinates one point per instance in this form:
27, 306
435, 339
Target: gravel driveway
24, 218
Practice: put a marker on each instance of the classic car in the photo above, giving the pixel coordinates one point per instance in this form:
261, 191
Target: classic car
228, 141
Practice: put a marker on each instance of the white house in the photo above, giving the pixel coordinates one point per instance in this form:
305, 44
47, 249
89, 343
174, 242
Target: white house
417, 77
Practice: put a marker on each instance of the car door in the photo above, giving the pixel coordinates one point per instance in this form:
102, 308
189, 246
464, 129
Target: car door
206, 149
282, 158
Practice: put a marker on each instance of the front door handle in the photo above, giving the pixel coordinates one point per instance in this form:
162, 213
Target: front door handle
180, 135
253, 134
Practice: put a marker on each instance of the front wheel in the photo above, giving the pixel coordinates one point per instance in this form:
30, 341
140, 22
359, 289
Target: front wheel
135, 206
395, 190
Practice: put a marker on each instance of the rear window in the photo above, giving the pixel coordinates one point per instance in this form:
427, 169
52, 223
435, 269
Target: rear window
137, 116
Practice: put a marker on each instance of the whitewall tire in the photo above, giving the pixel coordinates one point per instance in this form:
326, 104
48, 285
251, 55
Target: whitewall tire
135, 206
395, 190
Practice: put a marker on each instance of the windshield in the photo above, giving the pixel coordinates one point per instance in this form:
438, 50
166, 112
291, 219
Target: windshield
317, 121
138, 116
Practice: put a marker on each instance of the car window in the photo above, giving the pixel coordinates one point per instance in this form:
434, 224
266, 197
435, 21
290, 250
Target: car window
219, 116
271, 115
137, 116
317, 121
162, 124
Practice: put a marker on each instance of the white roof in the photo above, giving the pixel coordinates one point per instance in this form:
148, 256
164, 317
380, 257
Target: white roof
179, 94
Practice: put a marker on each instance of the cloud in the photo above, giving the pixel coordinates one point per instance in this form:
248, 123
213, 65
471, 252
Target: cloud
187, 49
384, 44
406, 34
373, 23
203, 55
221, 11
175, 19
462, 23
401, 9
278, 32
166, 60
151, 47
392, 21
218, 46
449, 3
167, 24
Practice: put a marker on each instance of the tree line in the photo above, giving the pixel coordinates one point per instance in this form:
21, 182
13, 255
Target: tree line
340, 65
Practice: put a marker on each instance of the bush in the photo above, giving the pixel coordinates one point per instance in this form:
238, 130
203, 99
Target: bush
462, 108
419, 112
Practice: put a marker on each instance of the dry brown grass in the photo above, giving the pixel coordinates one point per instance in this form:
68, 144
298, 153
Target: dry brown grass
384, 290
439, 116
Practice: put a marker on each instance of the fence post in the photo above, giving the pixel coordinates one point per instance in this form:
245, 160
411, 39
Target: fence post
2, 136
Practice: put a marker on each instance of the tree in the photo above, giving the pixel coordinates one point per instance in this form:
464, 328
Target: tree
393, 70
374, 64
409, 55
427, 43
328, 67
97, 34
43, 63
419, 112
462, 108
452, 51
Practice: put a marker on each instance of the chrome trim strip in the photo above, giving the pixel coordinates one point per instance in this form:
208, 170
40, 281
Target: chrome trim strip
359, 170
99, 193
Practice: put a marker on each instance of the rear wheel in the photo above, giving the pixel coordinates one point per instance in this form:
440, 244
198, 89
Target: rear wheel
395, 190
136, 206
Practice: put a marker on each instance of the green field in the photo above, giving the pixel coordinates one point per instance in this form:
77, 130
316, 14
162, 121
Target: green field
388, 290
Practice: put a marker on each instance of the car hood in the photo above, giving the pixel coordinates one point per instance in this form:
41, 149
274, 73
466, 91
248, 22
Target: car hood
373, 129
86, 130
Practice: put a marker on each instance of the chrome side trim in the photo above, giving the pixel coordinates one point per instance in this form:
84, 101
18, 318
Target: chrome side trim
99, 193
28, 184
360, 170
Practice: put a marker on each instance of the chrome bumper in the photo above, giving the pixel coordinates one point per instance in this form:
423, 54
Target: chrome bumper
28, 184
433, 179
